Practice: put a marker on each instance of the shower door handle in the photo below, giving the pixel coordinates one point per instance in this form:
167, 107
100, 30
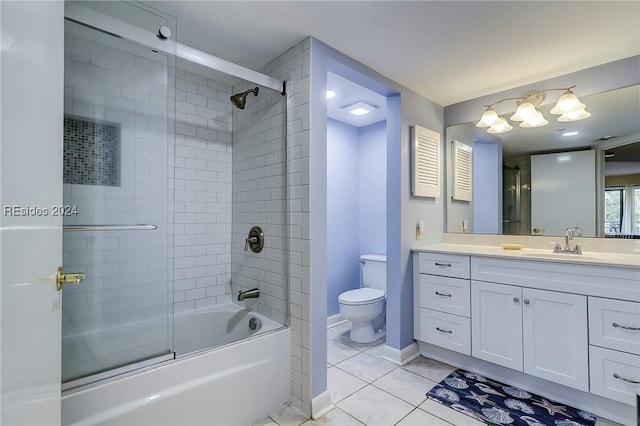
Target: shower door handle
74, 278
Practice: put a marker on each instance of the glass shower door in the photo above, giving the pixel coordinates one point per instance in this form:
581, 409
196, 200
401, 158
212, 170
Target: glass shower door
117, 198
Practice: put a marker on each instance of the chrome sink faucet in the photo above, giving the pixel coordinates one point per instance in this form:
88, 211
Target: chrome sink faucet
569, 235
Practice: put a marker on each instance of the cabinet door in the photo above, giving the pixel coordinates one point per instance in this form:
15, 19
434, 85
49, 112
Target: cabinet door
496, 323
555, 337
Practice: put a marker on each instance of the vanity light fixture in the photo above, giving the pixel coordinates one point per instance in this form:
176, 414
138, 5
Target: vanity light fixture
568, 107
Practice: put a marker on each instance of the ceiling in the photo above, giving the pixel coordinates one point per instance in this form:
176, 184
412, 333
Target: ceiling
348, 93
446, 51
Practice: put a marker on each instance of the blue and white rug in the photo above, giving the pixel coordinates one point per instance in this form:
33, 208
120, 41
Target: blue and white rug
495, 403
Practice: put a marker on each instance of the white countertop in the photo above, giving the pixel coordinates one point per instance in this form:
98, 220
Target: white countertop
595, 258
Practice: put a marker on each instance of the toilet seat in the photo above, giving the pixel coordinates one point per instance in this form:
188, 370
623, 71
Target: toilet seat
361, 296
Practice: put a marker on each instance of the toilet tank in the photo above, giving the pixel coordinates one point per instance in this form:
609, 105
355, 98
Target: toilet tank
374, 271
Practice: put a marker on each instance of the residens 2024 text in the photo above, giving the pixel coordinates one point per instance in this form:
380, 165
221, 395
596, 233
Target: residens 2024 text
40, 211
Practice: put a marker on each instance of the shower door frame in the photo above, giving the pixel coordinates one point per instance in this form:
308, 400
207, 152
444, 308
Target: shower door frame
79, 14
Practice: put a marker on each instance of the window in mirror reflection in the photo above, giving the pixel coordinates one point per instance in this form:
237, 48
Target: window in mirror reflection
622, 211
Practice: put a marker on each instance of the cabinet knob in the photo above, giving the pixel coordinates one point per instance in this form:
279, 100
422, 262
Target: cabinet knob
526, 301
515, 299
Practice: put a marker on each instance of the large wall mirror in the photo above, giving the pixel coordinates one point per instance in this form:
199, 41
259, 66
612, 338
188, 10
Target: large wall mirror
540, 181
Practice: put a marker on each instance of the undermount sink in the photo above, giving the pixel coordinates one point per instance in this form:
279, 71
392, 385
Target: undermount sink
604, 257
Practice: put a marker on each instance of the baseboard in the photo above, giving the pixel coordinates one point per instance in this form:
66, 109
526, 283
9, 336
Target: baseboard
401, 356
321, 405
334, 320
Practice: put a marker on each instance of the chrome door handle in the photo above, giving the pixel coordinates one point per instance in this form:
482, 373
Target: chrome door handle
516, 299
526, 301
74, 278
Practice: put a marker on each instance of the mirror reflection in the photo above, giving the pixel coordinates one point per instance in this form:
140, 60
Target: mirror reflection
540, 181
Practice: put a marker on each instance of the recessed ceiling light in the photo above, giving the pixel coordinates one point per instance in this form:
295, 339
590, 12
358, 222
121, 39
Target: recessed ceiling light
360, 108
359, 111
570, 134
330, 94
609, 155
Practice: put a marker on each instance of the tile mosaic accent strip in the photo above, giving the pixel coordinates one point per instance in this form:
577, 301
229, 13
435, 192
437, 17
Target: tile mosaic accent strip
91, 152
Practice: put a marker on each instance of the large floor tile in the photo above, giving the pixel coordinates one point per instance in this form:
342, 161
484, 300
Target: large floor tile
335, 417
268, 421
336, 331
346, 340
405, 385
366, 367
337, 352
429, 368
342, 384
449, 414
375, 407
419, 417
289, 416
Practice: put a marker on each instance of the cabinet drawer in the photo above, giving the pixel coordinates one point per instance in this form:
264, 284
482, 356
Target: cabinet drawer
614, 324
447, 265
613, 374
444, 294
448, 331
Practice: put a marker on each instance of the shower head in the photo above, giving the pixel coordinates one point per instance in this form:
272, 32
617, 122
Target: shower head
240, 99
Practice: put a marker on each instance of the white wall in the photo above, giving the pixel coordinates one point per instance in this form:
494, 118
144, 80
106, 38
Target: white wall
31, 86
294, 65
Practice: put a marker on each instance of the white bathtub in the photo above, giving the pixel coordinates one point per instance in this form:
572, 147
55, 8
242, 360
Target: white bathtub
235, 384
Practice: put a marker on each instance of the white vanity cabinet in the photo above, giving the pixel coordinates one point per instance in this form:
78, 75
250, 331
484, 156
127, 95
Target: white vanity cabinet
442, 302
539, 332
562, 326
614, 350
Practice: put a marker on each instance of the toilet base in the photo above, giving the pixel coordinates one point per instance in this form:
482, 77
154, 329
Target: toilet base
363, 332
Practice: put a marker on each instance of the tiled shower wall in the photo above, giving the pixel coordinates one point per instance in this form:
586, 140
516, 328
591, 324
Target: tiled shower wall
203, 166
294, 65
259, 199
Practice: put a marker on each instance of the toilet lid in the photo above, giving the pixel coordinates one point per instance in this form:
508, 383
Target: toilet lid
361, 296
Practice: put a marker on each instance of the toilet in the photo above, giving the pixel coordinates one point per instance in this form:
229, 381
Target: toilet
365, 306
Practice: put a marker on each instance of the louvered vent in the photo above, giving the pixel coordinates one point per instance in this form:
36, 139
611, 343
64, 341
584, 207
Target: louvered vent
462, 171
426, 162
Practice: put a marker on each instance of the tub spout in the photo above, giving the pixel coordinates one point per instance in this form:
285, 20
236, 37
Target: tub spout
249, 294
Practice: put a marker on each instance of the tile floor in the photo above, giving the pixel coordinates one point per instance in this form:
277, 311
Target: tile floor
359, 380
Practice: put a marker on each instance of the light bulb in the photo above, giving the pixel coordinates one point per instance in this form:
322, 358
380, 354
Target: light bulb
567, 103
501, 126
536, 121
488, 119
574, 116
525, 111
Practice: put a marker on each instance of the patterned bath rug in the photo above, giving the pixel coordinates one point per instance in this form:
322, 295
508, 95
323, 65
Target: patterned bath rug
495, 403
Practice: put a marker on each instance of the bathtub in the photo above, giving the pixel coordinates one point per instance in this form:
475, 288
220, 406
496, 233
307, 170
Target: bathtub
233, 384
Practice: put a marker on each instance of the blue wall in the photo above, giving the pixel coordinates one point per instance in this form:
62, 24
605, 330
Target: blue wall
343, 271
487, 187
356, 203
404, 109
373, 188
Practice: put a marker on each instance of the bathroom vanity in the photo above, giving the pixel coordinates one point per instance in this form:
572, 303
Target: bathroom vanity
564, 326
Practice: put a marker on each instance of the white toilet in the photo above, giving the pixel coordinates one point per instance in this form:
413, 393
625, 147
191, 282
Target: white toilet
365, 306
